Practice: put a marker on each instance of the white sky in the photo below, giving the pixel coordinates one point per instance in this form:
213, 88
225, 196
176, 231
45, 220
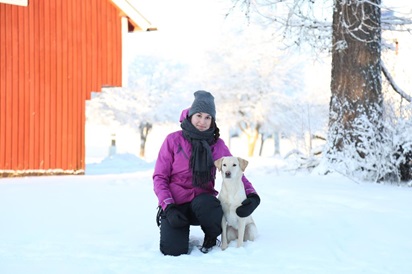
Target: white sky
185, 27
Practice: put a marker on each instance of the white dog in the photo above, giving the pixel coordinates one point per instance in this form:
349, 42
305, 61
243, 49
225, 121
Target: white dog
231, 197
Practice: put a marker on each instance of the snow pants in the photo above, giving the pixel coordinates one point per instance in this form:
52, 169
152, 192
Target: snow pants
204, 210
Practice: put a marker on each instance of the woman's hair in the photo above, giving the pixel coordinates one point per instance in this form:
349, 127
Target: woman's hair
217, 130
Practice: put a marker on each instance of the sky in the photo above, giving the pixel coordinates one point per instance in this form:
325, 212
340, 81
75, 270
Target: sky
104, 222
185, 28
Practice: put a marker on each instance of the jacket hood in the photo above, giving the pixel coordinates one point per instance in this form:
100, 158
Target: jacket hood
184, 114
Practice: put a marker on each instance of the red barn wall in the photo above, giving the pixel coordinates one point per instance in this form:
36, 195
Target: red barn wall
53, 54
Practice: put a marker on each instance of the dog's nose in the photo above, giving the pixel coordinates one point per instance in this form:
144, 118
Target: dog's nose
227, 174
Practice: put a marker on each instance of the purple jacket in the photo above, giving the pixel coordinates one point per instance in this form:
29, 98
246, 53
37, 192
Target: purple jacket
172, 176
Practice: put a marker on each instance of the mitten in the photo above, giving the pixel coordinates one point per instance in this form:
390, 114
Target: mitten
248, 205
175, 217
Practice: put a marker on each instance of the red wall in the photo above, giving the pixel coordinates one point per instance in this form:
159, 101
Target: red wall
53, 54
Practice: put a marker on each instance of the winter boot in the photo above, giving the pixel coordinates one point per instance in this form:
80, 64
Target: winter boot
208, 244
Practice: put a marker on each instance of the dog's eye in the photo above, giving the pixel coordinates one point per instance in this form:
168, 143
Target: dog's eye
234, 164
224, 164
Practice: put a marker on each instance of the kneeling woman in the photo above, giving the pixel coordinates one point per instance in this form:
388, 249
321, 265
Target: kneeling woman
184, 180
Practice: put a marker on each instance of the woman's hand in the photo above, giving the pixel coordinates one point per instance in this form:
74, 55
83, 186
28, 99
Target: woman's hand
175, 217
248, 205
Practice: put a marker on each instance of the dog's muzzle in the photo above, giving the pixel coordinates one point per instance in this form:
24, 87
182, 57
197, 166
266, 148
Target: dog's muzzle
228, 174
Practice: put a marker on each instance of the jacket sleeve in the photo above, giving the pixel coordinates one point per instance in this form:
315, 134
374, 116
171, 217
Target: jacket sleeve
221, 150
162, 173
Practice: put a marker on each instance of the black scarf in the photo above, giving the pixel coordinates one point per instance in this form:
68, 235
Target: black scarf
201, 161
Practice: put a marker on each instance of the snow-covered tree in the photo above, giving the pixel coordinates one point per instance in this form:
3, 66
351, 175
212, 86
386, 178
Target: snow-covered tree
353, 36
154, 95
253, 81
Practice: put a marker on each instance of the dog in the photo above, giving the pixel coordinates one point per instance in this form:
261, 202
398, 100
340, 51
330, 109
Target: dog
231, 196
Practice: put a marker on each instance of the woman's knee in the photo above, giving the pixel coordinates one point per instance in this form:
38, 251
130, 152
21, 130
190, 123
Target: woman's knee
173, 241
173, 250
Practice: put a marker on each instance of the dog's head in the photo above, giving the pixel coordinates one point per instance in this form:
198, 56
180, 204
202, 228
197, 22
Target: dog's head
231, 167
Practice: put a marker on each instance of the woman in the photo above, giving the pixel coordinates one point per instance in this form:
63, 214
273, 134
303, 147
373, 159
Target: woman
184, 180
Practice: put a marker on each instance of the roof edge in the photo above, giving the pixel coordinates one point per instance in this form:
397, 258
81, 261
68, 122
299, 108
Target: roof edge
139, 22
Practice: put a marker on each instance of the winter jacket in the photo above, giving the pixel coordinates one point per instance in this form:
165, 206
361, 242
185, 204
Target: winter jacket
172, 176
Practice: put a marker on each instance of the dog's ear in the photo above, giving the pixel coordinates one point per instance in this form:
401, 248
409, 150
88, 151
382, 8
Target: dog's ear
218, 164
243, 163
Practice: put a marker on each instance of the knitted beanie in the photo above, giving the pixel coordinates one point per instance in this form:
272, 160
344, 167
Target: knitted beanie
204, 102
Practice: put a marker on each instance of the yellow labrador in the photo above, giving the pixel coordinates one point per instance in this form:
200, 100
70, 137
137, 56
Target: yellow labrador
231, 196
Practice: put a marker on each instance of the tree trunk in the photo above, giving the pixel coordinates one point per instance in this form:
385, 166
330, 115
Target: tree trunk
252, 139
356, 101
263, 138
252, 133
276, 138
144, 132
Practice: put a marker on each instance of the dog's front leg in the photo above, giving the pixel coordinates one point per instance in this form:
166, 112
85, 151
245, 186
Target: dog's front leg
224, 233
241, 231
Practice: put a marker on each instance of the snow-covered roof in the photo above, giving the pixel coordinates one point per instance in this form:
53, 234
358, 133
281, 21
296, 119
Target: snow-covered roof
139, 22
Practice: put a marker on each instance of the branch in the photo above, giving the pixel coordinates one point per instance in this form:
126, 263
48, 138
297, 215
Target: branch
393, 84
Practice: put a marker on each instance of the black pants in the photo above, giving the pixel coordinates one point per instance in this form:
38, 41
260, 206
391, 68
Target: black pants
204, 210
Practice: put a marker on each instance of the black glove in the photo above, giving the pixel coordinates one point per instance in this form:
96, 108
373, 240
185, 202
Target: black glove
248, 205
175, 217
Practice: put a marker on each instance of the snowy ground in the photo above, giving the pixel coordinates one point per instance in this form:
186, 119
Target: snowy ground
104, 222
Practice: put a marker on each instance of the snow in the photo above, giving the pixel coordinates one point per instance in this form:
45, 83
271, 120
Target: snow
104, 222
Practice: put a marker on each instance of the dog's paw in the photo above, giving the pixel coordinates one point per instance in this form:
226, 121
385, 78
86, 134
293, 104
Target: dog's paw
223, 246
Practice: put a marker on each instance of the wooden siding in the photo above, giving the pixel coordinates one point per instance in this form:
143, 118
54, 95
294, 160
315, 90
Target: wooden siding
53, 54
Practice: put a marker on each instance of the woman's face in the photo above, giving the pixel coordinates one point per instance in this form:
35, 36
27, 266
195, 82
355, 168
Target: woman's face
202, 121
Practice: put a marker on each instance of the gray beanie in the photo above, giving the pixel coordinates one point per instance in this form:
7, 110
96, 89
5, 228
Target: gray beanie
204, 102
